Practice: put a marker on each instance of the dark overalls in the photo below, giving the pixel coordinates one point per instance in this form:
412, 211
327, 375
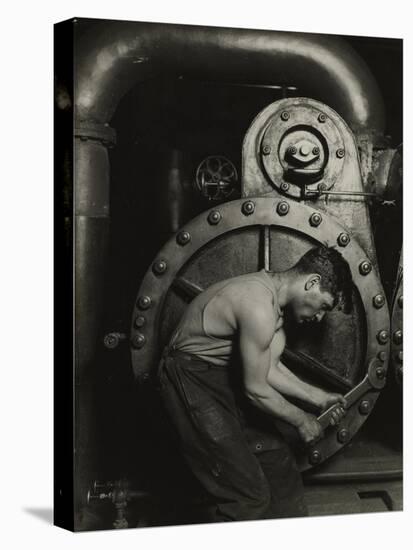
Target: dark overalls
234, 450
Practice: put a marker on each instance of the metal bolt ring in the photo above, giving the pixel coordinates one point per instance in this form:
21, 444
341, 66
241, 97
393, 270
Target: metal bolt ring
365, 267
315, 219
144, 302
159, 267
283, 208
248, 208
379, 301
183, 238
233, 219
214, 217
343, 239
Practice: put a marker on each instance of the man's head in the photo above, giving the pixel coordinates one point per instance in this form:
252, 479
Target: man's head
321, 280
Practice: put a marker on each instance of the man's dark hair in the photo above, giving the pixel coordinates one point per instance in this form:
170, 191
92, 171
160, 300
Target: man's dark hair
334, 271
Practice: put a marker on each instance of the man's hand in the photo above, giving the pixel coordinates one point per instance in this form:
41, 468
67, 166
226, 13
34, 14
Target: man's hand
309, 429
329, 399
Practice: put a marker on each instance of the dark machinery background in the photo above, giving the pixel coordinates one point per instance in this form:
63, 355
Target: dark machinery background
166, 126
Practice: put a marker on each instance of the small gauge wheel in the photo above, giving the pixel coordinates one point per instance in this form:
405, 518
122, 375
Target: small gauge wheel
216, 178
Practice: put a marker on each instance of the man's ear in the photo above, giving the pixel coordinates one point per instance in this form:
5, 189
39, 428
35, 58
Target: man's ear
312, 280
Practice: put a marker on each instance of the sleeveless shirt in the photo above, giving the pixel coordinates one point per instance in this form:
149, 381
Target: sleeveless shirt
191, 335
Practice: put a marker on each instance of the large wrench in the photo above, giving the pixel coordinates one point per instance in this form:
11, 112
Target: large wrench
375, 379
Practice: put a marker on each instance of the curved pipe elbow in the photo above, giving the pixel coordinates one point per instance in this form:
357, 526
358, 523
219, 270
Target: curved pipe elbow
110, 61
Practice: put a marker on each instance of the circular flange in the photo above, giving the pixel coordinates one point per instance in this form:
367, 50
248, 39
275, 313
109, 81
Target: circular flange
397, 328
266, 213
307, 125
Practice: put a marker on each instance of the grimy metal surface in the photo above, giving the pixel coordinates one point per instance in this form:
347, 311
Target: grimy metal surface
262, 211
117, 55
265, 161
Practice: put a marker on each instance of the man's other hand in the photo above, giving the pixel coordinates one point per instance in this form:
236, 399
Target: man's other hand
310, 429
339, 412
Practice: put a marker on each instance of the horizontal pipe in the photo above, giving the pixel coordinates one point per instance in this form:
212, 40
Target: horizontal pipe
114, 56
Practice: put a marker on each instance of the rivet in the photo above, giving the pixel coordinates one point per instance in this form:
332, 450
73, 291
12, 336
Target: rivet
343, 435
382, 355
315, 219
399, 356
138, 341
258, 446
400, 301
266, 149
322, 117
291, 150
144, 302
111, 341
140, 321
214, 217
343, 239
183, 238
283, 208
285, 115
383, 336
398, 337
248, 208
365, 267
378, 301
380, 373
159, 267
340, 153
315, 457
284, 186
364, 407
316, 150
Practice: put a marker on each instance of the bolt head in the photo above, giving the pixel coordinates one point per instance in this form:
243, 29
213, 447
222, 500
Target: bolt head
183, 238
283, 208
383, 336
364, 407
343, 239
285, 115
258, 446
340, 153
159, 267
284, 186
248, 208
365, 267
316, 150
110, 341
399, 356
214, 217
378, 301
138, 341
291, 150
400, 301
266, 149
315, 457
343, 435
398, 337
315, 219
140, 321
144, 302
382, 355
380, 373
322, 117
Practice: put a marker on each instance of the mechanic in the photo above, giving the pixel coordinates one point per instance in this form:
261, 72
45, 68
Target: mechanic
224, 387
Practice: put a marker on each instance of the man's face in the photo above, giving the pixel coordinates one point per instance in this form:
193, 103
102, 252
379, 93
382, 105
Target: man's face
309, 303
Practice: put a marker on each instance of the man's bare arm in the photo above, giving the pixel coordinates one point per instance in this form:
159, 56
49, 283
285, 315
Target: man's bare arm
256, 328
284, 381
